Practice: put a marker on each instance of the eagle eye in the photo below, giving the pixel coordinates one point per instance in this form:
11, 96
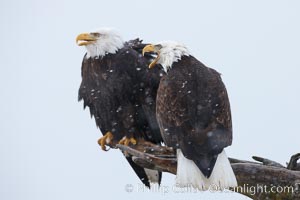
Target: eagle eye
95, 34
158, 46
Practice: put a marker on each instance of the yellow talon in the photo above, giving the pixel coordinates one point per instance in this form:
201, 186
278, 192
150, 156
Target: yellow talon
133, 141
105, 140
126, 141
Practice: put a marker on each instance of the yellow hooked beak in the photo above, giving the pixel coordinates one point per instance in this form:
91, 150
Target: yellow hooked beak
151, 48
85, 39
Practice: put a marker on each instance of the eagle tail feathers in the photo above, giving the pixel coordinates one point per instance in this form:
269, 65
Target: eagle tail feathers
147, 176
189, 175
154, 176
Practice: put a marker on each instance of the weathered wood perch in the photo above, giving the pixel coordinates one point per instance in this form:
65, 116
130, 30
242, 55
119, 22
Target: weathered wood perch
265, 179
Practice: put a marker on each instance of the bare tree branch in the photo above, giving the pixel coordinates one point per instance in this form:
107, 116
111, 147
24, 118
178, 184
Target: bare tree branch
293, 165
267, 162
261, 180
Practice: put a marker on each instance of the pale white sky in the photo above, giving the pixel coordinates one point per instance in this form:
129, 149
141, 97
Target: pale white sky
49, 144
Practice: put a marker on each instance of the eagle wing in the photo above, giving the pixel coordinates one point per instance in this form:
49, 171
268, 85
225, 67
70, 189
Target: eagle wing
115, 90
193, 111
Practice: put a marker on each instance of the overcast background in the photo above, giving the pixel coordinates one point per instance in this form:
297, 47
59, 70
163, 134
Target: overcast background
48, 144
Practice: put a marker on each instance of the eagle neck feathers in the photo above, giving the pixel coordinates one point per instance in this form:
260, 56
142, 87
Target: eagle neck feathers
109, 44
170, 53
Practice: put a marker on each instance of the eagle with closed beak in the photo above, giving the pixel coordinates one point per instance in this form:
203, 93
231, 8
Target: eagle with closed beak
193, 113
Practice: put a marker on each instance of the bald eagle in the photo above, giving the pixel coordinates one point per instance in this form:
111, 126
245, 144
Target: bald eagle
193, 113
120, 92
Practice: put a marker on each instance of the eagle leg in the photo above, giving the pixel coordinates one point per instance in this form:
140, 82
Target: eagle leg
126, 141
105, 140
